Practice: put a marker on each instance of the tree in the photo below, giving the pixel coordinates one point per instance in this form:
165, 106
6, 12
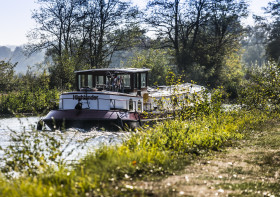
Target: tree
177, 24
262, 88
254, 43
6, 75
58, 28
232, 73
58, 25
201, 32
273, 47
220, 37
81, 34
157, 60
109, 26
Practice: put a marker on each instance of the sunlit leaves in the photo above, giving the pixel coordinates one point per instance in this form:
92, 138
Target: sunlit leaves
155, 59
262, 89
6, 75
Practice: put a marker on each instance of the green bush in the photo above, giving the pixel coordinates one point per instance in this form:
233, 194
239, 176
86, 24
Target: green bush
26, 101
262, 88
31, 94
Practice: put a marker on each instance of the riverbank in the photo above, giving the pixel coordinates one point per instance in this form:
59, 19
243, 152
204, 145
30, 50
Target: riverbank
249, 168
147, 158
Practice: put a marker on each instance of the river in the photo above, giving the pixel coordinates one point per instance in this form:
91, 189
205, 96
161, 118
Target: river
72, 137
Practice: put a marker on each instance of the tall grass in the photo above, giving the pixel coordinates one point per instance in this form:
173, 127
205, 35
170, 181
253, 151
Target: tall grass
148, 153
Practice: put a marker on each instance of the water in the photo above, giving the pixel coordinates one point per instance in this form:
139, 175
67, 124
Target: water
94, 138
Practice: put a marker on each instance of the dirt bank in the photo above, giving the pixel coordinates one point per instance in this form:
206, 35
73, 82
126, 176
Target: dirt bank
250, 168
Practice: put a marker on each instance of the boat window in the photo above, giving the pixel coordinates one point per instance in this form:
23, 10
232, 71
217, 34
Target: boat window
90, 81
130, 105
143, 80
139, 105
136, 80
125, 79
79, 81
99, 80
82, 81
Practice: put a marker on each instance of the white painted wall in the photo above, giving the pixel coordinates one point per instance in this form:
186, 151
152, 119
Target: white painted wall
102, 101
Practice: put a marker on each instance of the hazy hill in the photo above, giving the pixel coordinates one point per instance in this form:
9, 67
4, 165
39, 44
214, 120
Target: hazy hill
5, 53
16, 54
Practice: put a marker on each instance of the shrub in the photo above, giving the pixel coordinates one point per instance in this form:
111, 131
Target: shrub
262, 89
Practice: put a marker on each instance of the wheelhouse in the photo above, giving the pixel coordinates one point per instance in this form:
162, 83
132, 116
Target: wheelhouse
119, 80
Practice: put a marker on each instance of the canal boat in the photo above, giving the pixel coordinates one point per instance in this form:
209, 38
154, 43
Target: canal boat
114, 98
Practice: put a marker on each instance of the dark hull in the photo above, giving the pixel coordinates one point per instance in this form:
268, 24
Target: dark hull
86, 119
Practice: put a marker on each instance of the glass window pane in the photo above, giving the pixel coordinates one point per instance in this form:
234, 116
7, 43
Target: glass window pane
136, 80
100, 80
90, 81
79, 81
143, 80
83, 81
126, 81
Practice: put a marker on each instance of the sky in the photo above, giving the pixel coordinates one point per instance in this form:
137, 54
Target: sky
16, 21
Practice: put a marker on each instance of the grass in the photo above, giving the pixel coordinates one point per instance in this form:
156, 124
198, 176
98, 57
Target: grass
248, 167
149, 154
262, 178
256, 188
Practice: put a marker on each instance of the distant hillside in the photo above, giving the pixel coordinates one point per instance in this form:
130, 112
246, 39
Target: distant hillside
16, 54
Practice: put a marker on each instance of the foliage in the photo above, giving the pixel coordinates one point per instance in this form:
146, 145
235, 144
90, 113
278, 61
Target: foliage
155, 59
273, 47
231, 74
274, 37
82, 33
31, 152
6, 75
34, 164
26, 101
201, 33
62, 71
52, 183
85, 34
261, 90
254, 43
188, 101
32, 95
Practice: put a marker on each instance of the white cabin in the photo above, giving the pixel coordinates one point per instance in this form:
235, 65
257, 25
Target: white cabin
107, 89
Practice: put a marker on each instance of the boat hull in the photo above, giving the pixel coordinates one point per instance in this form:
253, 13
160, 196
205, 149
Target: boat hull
87, 118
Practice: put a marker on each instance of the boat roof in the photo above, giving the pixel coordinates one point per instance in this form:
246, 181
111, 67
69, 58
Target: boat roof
116, 70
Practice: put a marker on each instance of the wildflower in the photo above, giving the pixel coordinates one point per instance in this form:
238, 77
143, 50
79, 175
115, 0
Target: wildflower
134, 163
129, 186
126, 176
